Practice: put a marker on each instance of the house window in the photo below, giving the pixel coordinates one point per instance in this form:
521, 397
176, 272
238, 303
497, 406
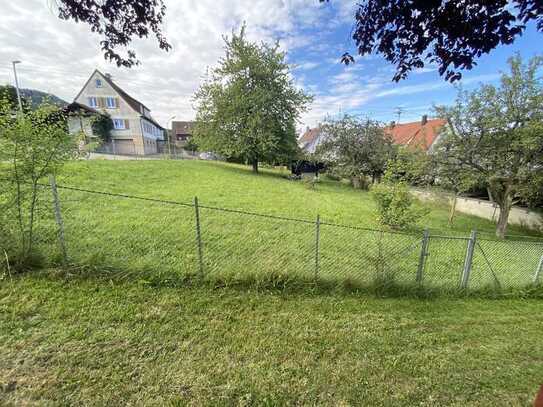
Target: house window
110, 103
93, 102
98, 83
118, 124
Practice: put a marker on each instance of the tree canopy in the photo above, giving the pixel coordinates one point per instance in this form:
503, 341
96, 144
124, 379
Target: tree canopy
8, 95
495, 135
448, 33
118, 21
248, 106
355, 148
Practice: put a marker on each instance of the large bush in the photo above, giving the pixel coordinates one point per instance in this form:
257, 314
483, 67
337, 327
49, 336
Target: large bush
395, 205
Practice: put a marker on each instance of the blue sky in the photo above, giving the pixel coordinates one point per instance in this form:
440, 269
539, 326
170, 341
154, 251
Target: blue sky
59, 56
366, 88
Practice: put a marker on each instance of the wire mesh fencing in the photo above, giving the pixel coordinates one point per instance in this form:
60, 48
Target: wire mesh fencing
169, 240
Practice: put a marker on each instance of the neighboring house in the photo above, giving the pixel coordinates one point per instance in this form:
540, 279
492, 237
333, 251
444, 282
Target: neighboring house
134, 129
311, 139
181, 132
309, 142
420, 134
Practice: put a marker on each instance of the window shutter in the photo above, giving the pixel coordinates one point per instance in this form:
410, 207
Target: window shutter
100, 102
117, 102
126, 124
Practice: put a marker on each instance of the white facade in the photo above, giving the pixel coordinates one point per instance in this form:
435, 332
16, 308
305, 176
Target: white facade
133, 127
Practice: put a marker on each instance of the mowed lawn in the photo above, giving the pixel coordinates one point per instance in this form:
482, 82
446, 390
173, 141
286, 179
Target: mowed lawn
113, 336
154, 240
236, 187
67, 341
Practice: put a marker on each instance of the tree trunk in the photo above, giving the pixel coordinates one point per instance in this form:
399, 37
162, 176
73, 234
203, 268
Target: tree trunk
356, 182
502, 194
255, 166
501, 227
453, 209
490, 194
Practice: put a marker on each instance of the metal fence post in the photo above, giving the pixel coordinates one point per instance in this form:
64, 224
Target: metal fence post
539, 270
469, 259
199, 237
423, 255
317, 239
58, 218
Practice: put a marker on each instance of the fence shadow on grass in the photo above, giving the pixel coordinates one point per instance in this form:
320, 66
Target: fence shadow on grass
274, 284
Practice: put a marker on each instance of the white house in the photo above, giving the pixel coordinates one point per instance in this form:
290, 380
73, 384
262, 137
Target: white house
134, 129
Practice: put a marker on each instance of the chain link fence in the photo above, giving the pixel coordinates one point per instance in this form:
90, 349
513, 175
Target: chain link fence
175, 240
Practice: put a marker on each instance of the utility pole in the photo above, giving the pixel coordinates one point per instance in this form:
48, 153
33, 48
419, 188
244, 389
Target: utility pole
169, 136
17, 85
398, 110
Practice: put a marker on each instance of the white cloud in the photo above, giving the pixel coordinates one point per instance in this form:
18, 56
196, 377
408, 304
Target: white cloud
58, 56
306, 66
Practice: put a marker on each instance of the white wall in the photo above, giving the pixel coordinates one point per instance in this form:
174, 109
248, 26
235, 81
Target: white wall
485, 209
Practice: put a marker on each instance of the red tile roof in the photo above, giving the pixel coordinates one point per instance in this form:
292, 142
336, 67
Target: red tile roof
413, 134
416, 134
309, 135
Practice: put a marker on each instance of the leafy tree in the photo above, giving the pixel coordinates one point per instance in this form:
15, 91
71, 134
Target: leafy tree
452, 177
101, 126
248, 106
412, 165
33, 145
532, 194
356, 149
450, 34
8, 94
191, 145
118, 21
495, 135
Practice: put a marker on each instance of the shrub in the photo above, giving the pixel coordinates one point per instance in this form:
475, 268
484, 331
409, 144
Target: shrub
33, 146
102, 125
395, 205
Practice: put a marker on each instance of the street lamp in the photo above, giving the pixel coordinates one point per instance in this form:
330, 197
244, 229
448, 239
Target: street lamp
17, 84
170, 120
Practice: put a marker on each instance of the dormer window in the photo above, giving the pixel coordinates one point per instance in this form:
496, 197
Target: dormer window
98, 83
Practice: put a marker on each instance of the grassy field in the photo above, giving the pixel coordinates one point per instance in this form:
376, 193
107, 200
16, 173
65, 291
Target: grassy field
157, 241
71, 341
235, 187
127, 322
